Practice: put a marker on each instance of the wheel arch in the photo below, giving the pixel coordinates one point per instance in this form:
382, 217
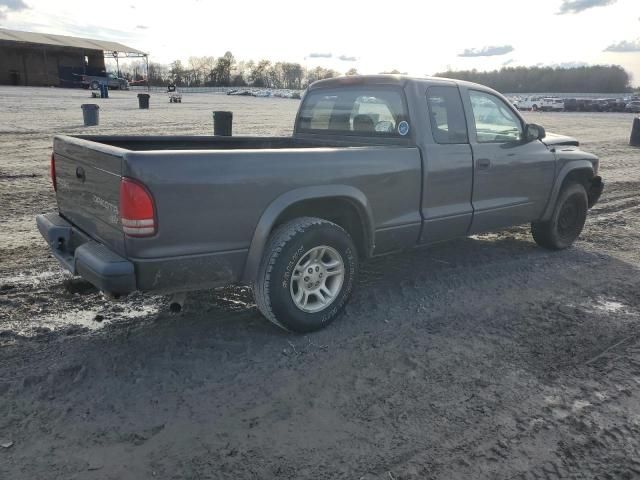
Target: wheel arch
344, 205
576, 170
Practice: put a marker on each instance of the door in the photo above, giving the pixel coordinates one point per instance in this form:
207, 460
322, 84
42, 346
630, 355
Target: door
512, 178
448, 167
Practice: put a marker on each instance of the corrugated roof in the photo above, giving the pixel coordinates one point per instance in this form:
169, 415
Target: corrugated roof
65, 41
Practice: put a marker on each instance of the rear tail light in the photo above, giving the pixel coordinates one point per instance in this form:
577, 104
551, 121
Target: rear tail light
137, 209
52, 173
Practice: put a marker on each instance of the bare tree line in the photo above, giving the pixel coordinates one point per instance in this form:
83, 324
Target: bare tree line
587, 79
226, 71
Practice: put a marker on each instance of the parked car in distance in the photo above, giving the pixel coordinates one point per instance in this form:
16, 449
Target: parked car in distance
552, 104
585, 105
570, 105
112, 80
633, 106
376, 164
530, 103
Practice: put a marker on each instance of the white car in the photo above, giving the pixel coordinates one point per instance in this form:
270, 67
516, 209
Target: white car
530, 103
552, 104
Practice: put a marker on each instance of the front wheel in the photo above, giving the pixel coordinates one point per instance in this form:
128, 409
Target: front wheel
307, 274
567, 220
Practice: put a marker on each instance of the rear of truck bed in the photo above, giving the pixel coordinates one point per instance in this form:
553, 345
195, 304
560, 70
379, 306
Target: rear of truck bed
174, 214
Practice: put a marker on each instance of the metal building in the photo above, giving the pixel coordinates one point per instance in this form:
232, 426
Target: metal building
40, 59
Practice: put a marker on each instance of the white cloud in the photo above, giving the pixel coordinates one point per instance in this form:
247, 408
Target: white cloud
624, 46
15, 5
487, 51
577, 6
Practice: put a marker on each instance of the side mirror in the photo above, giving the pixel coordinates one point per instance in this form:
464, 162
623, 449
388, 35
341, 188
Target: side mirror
534, 132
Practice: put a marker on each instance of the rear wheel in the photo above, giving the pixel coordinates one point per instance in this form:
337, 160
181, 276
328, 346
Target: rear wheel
307, 274
95, 85
567, 220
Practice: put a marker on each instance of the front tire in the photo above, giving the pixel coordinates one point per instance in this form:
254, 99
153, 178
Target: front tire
307, 274
567, 220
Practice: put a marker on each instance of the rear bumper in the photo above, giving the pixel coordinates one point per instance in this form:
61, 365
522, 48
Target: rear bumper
108, 271
83, 256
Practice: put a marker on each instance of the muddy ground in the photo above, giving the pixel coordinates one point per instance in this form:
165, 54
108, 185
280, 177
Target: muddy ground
482, 358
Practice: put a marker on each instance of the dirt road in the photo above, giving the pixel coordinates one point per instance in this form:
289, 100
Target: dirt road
482, 358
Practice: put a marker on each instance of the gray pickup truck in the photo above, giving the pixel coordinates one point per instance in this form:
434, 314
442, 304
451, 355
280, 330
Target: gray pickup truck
376, 164
110, 79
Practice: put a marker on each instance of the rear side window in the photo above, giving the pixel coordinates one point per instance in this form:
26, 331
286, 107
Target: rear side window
354, 111
447, 115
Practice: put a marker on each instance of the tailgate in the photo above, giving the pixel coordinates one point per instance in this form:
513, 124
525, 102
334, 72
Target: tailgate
88, 188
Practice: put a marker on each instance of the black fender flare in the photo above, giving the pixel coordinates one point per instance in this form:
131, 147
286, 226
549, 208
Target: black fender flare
271, 214
569, 167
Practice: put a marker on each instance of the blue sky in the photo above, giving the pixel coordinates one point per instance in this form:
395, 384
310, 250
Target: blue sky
417, 37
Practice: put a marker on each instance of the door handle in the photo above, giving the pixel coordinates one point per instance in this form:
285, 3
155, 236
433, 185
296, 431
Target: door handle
484, 163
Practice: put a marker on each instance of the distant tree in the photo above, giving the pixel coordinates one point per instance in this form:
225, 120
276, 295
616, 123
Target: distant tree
393, 72
226, 71
259, 74
275, 75
158, 74
587, 79
222, 70
319, 73
293, 74
176, 72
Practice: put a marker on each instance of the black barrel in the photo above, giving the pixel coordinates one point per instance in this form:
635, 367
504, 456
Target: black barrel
143, 100
635, 133
222, 123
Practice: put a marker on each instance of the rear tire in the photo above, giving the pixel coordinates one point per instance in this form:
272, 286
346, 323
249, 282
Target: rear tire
567, 220
95, 85
307, 274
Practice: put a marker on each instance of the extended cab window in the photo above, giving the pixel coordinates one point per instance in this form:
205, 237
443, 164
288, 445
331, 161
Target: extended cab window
495, 121
353, 110
447, 115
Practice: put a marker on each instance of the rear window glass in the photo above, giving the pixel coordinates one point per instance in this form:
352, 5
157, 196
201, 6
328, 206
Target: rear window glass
448, 123
353, 111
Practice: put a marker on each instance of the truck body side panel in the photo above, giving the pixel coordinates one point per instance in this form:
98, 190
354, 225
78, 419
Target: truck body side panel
211, 201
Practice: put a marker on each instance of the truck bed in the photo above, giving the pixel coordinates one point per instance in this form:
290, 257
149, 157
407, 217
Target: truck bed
140, 143
211, 192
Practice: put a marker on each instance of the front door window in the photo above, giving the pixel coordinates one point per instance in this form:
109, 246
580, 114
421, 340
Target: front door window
495, 121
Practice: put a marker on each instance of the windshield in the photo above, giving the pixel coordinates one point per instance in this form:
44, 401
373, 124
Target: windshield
354, 111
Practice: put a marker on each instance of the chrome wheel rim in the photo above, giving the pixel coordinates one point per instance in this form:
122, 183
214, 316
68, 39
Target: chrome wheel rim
317, 279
